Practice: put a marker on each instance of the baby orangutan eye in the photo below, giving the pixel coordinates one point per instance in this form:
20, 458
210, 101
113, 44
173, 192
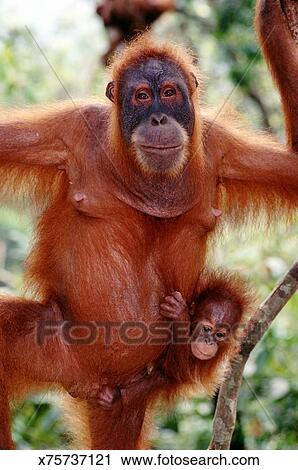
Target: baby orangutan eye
206, 329
220, 336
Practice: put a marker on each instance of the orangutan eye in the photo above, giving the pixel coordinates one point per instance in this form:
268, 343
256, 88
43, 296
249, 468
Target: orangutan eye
142, 96
206, 329
220, 336
169, 92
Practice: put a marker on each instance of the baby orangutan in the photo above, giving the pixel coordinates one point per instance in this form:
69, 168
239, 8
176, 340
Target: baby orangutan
211, 324
203, 338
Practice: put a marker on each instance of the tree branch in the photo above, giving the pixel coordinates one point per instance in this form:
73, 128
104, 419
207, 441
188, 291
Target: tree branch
226, 409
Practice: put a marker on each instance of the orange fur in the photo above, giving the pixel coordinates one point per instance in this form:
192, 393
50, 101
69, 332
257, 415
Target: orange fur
103, 253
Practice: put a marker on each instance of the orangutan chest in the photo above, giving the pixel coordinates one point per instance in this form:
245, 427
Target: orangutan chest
128, 262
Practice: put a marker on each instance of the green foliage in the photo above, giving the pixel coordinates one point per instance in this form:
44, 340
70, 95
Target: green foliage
221, 33
37, 425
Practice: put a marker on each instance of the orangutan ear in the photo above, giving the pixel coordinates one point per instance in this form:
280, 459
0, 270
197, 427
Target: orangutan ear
195, 80
110, 91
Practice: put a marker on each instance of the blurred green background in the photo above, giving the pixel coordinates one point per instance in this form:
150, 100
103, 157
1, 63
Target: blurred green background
221, 33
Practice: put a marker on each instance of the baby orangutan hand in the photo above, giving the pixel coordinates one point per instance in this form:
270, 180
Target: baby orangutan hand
173, 306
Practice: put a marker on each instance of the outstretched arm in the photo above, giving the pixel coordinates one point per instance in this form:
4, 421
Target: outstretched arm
36, 144
50, 136
34, 137
277, 28
255, 171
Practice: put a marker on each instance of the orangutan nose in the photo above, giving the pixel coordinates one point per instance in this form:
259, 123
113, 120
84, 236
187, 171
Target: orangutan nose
159, 120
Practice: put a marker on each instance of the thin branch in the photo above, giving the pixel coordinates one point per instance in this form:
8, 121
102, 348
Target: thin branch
226, 409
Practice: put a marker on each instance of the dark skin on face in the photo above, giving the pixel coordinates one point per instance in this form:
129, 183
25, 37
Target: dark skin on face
156, 113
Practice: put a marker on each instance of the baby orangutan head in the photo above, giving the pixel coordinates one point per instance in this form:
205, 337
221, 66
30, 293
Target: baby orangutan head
213, 324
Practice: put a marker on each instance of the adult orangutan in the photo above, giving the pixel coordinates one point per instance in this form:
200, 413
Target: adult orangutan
127, 196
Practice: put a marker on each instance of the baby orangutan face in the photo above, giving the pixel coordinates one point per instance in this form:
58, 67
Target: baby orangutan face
213, 321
